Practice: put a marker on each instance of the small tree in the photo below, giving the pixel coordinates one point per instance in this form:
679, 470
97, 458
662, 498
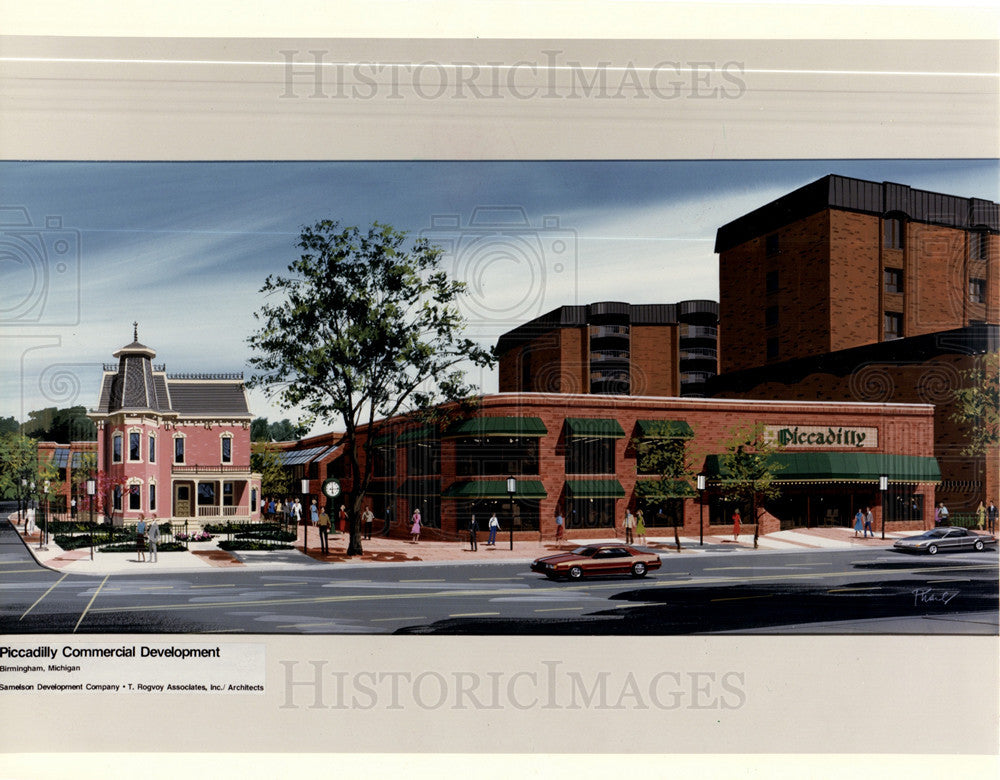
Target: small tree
668, 458
977, 405
749, 469
265, 460
365, 326
86, 469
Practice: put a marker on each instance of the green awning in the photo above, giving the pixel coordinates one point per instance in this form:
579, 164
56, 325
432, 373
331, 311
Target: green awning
499, 426
417, 434
843, 467
495, 488
664, 429
594, 488
594, 428
671, 488
385, 440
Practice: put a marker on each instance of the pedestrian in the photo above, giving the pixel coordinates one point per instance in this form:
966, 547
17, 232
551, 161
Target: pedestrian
629, 525
737, 523
153, 535
140, 538
981, 516
297, 511
323, 523
941, 514
494, 526
368, 518
388, 521
314, 513
342, 518
859, 522
271, 509
72, 508
640, 526
991, 517
560, 526
869, 519
279, 510
263, 507
473, 532
415, 526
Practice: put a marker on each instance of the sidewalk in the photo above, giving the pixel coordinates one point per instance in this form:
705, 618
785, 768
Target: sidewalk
207, 557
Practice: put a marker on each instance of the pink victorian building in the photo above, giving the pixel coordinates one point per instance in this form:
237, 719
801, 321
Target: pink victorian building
174, 446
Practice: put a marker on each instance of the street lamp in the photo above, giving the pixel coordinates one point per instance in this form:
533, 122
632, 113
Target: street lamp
511, 490
91, 492
305, 521
45, 516
702, 479
883, 485
22, 504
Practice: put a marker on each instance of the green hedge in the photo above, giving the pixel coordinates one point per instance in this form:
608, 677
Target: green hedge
248, 544
125, 548
274, 534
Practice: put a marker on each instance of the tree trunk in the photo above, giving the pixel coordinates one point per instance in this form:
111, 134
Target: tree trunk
354, 521
756, 522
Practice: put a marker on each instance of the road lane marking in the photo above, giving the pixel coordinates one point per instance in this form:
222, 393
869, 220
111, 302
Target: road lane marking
560, 609
93, 598
46, 593
27, 571
744, 598
422, 580
192, 587
284, 584
489, 579
852, 590
156, 587
308, 625
475, 614
386, 620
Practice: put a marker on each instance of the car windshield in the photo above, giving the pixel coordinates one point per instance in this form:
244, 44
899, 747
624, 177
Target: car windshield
587, 552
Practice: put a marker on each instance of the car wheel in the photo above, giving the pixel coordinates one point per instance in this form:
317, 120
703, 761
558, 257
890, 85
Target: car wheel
639, 569
979, 545
575, 573
932, 550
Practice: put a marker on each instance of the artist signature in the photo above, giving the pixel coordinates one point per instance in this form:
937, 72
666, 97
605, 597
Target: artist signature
932, 596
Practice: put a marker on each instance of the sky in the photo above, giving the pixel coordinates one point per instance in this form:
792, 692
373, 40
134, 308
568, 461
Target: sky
184, 248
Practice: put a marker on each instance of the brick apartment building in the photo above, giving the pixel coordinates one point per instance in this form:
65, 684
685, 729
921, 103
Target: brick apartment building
613, 348
851, 290
843, 262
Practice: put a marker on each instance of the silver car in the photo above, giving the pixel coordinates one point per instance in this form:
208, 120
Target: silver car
945, 538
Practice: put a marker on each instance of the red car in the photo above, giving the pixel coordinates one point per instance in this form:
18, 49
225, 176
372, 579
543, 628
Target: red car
595, 560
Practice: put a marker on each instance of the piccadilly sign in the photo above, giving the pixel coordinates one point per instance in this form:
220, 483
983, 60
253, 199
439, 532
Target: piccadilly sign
822, 437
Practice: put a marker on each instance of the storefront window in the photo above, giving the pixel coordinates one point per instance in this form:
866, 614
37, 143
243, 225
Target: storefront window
590, 513
527, 514
590, 455
496, 456
423, 458
902, 504
661, 512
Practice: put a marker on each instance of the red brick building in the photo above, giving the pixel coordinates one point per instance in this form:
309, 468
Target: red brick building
576, 454
613, 348
177, 446
843, 262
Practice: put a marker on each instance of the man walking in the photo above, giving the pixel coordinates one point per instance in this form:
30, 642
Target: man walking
494, 527
560, 526
629, 525
991, 517
323, 523
473, 532
869, 519
368, 517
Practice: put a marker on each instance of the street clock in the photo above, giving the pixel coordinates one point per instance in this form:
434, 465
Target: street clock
331, 488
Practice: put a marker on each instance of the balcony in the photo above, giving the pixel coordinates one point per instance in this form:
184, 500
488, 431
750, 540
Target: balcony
223, 511
698, 331
609, 356
227, 469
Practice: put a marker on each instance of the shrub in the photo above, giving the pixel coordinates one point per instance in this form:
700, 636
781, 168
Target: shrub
248, 544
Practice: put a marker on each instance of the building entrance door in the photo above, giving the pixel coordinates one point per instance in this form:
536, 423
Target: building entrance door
182, 501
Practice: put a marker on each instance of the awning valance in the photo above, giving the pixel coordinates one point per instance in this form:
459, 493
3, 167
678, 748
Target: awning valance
594, 488
495, 488
417, 434
664, 429
498, 426
595, 428
842, 467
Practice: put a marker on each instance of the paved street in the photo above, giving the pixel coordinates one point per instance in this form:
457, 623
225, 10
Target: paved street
863, 590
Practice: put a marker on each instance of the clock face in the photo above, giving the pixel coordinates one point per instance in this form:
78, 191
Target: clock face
331, 488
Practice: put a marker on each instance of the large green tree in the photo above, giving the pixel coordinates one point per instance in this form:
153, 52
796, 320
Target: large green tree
60, 425
283, 430
266, 461
18, 463
749, 469
365, 326
977, 405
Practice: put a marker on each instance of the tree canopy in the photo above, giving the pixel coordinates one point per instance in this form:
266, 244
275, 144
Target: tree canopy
364, 326
283, 430
749, 470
